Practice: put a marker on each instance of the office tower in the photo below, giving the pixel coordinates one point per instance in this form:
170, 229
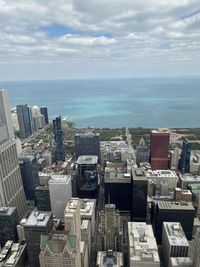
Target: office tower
42, 198
25, 120
109, 258
168, 177
72, 217
174, 159
38, 118
8, 222
59, 145
38, 223
11, 187
110, 232
142, 247
185, 156
88, 211
139, 195
60, 249
73, 224
6, 127
60, 190
87, 144
29, 173
118, 188
196, 258
159, 146
14, 255
87, 176
142, 152
182, 195
44, 112
182, 212
86, 236
174, 242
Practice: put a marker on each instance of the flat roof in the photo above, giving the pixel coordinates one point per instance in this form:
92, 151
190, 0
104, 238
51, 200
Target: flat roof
87, 159
59, 179
161, 173
175, 234
38, 218
139, 174
7, 211
142, 243
175, 205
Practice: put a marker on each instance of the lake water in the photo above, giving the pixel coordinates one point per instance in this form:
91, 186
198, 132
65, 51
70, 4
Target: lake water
155, 102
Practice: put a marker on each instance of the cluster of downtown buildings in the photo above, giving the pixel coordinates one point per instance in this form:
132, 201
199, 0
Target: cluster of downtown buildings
94, 203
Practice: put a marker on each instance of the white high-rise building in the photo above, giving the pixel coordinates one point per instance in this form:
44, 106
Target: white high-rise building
6, 127
11, 187
38, 118
143, 250
174, 243
196, 258
60, 190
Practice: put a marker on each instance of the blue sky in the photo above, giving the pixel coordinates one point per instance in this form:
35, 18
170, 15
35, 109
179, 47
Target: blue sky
98, 39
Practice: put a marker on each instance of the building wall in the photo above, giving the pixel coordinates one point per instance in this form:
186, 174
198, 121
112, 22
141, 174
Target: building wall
159, 146
60, 193
11, 187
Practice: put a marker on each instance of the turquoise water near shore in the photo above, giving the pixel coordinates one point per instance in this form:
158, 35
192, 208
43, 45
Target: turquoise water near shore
155, 102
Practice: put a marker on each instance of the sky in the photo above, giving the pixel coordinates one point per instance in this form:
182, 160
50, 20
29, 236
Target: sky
78, 39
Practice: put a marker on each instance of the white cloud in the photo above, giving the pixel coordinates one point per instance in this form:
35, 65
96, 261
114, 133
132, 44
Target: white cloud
101, 32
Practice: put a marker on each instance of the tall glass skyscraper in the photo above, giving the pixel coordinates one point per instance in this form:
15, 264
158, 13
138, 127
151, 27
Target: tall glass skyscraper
58, 133
25, 121
185, 156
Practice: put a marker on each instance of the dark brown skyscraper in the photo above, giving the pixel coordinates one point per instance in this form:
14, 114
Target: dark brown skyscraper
159, 146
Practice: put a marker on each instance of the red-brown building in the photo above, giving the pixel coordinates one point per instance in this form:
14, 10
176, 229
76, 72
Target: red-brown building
159, 148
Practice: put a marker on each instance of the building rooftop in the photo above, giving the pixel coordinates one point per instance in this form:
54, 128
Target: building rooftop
142, 243
87, 207
56, 242
159, 131
160, 173
7, 211
183, 205
117, 175
189, 178
59, 179
87, 160
187, 262
175, 234
11, 253
37, 218
109, 259
138, 174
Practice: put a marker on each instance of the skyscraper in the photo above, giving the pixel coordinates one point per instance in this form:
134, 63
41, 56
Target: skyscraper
185, 156
38, 223
29, 173
139, 195
58, 133
11, 187
87, 144
6, 127
159, 146
44, 112
25, 121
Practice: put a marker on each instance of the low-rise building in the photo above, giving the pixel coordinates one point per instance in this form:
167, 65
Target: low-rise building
182, 195
186, 179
